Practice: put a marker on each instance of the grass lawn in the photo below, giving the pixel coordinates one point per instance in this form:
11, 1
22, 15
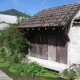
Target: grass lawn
51, 75
2, 60
13, 68
4, 63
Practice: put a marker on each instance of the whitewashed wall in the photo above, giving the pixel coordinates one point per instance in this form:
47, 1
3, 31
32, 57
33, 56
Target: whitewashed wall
74, 44
8, 18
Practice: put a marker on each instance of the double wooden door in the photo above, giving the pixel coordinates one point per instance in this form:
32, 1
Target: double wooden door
49, 46
57, 47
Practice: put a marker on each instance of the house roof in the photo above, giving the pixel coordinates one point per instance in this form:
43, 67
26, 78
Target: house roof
12, 12
52, 17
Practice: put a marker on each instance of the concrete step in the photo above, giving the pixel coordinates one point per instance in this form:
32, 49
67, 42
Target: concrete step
3, 76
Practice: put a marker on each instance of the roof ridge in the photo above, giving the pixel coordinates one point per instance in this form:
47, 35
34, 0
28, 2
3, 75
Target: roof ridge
67, 4
61, 6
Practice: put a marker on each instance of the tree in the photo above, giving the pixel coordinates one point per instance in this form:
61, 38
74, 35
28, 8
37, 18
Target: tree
14, 41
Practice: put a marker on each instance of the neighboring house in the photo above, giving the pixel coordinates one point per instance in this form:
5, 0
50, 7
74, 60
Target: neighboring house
9, 16
3, 25
55, 36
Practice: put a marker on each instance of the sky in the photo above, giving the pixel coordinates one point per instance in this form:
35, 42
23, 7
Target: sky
32, 6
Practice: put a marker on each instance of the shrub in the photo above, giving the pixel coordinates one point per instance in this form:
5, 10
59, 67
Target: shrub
32, 68
2, 51
15, 42
72, 72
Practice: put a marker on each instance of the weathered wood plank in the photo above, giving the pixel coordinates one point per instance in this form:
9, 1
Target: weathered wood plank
61, 49
33, 48
44, 42
52, 47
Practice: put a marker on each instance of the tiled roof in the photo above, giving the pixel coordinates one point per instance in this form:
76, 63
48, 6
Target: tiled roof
53, 17
12, 12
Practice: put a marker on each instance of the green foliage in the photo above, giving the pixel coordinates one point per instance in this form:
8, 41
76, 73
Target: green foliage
16, 58
22, 19
71, 74
2, 51
15, 42
16, 68
48, 74
32, 68
2, 60
5, 64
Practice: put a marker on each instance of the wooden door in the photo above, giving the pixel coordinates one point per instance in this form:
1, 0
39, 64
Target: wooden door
57, 47
44, 43
39, 47
61, 48
52, 46
33, 48
49, 45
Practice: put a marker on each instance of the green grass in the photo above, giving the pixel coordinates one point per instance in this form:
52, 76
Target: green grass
5, 64
13, 68
51, 75
28, 69
2, 60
